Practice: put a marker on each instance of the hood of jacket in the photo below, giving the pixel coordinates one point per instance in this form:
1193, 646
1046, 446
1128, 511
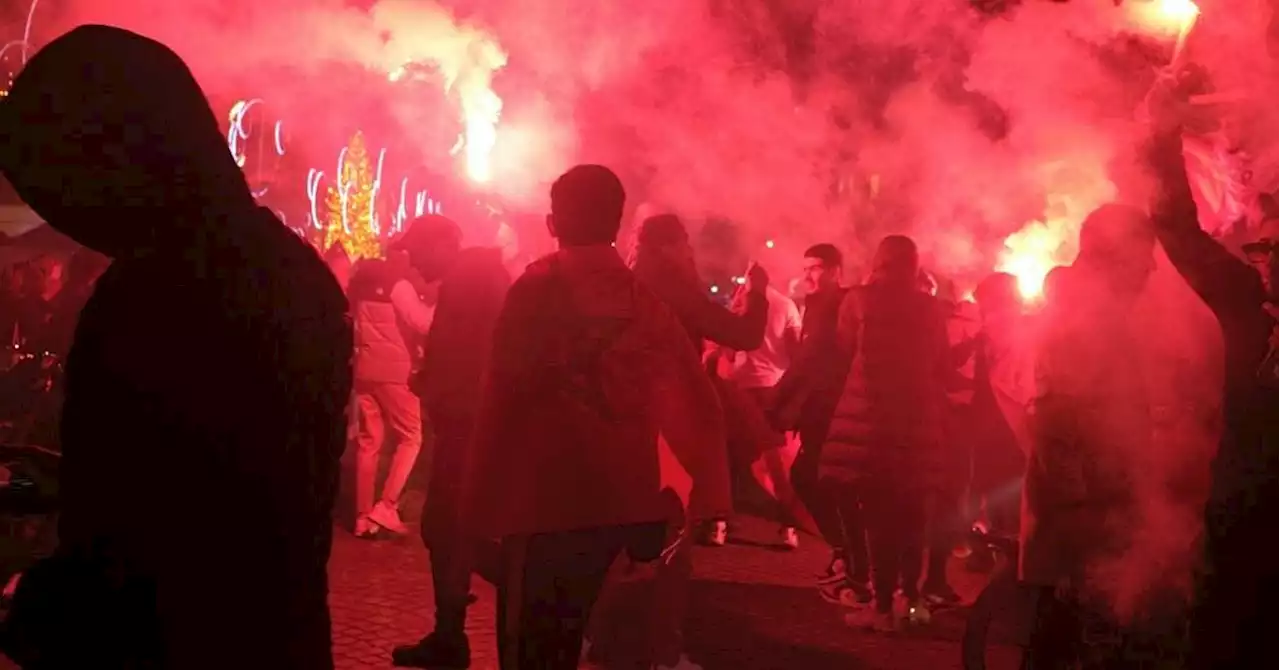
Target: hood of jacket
108, 137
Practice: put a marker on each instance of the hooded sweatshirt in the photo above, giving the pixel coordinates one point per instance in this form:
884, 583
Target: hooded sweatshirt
205, 389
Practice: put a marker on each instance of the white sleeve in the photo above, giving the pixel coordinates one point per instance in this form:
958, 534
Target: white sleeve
410, 308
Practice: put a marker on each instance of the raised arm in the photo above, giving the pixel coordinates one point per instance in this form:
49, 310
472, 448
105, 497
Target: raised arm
740, 332
1222, 280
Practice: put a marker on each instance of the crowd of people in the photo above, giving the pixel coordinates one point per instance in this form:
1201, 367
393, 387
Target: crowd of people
588, 409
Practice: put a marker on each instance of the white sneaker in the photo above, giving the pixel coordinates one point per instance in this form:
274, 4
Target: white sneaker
365, 528
388, 517
719, 534
683, 664
790, 538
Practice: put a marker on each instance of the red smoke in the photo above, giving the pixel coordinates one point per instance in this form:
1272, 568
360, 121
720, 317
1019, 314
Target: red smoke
986, 138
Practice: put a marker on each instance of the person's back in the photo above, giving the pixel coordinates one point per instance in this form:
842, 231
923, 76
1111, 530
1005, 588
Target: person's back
588, 369
206, 386
598, 347
890, 410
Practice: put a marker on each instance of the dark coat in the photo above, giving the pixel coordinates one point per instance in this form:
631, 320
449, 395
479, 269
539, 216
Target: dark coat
888, 421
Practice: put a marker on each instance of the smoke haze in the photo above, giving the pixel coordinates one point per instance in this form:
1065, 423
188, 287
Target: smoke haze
986, 137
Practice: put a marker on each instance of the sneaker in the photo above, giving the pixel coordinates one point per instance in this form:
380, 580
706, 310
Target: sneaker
718, 534
365, 529
845, 594
387, 516
434, 651
940, 595
790, 538
683, 663
869, 618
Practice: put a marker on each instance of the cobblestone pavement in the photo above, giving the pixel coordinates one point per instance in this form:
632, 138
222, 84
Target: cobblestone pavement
753, 607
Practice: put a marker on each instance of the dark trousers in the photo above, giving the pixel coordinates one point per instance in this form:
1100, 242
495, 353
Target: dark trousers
949, 516
452, 549
548, 585
835, 508
895, 520
998, 467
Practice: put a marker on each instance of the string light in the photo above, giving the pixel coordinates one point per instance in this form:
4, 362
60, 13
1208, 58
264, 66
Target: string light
401, 215
26, 31
344, 190
25, 43
236, 132
279, 139
768, 244
373, 195
313, 186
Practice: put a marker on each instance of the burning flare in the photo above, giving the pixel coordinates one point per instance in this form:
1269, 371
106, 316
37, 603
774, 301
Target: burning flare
1075, 187
467, 61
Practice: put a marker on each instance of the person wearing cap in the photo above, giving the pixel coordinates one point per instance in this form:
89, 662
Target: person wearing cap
589, 367
473, 283
390, 321
1233, 622
206, 388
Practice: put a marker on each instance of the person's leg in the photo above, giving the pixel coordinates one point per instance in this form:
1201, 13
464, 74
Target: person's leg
1055, 632
404, 416
912, 519
670, 602
550, 583
452, 557
853, 522
884, 542
368, 437
946, 527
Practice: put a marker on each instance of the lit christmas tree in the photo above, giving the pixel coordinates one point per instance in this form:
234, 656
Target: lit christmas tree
350, 203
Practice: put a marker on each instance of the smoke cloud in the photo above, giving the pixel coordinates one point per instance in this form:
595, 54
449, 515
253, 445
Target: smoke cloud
987, 135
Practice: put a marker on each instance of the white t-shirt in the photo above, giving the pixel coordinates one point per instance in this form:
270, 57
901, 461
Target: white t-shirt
764, 367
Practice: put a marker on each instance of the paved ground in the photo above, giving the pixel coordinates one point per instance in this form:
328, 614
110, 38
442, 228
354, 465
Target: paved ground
753, 608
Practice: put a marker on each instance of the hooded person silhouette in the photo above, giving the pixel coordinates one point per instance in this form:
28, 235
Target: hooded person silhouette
205, 390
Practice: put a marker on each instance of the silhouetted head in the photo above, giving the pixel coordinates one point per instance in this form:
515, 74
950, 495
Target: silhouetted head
1116, 246
897, 261
823, 267
664, 236
107, 136
586, 207
997, 295
432, 242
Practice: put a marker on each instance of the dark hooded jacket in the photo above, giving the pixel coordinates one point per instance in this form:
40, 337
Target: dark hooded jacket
205, 389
